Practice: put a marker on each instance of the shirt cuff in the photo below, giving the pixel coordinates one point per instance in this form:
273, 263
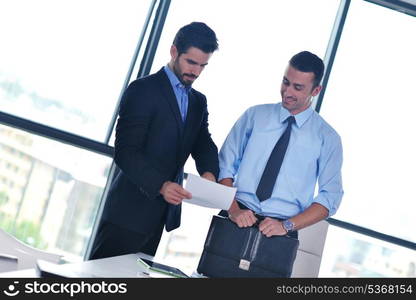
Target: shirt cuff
225, 174
327, 203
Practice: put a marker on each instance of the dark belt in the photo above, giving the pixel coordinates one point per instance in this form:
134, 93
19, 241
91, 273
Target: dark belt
292, 234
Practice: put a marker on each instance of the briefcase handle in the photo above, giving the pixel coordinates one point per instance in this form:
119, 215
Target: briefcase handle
261, 218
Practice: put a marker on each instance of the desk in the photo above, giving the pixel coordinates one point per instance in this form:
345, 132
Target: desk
123, 266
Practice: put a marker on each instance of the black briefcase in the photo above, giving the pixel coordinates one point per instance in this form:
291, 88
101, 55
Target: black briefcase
230, 251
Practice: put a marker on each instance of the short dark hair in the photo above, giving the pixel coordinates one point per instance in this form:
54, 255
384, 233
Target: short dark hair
306, 61
198, 35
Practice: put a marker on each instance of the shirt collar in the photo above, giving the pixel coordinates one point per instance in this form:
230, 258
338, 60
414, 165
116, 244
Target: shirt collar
174, 81
300, 117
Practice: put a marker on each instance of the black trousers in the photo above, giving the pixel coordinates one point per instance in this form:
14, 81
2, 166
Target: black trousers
113, 240
224, 213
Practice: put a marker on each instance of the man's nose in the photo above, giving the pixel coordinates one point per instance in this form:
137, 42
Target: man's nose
287, 90
284, 90
196, 70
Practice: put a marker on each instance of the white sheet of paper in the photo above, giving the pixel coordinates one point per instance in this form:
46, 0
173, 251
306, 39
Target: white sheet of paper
209, 194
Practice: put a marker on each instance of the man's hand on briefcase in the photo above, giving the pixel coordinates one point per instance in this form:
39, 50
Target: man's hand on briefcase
270, 227
242, 217
247, 218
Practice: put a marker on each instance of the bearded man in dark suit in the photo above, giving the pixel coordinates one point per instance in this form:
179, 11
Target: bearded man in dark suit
162, 120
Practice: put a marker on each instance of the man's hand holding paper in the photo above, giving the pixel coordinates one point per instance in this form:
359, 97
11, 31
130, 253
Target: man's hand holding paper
174, 193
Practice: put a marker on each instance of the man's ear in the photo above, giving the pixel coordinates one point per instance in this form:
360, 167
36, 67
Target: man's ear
173, 52
316, 90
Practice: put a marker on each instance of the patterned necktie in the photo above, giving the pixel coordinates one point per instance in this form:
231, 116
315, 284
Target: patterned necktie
268, 179
184, 103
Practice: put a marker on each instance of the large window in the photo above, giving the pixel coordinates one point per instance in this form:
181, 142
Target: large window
63, 63
49, 191
349, 254
256, 41
369, 101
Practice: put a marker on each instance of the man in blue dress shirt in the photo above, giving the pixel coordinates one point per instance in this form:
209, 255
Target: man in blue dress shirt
314, 154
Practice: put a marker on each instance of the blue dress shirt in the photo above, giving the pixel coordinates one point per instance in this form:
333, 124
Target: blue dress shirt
181, 92
314, 154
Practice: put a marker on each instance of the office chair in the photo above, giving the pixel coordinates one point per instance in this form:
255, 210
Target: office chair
311, 246
16, 255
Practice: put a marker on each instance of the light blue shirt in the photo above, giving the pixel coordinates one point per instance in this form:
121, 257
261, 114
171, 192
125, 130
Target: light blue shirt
181, 92
314, 154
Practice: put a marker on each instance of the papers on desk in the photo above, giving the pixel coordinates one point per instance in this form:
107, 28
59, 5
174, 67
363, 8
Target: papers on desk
48, 269
209, 194
160, 269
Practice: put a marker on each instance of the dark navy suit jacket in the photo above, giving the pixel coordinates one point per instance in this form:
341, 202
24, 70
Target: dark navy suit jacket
152, 145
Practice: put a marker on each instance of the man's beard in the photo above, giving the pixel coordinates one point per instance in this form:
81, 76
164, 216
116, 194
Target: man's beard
181, 76
186, 82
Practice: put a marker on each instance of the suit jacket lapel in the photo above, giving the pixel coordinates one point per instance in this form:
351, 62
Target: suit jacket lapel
170, 97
